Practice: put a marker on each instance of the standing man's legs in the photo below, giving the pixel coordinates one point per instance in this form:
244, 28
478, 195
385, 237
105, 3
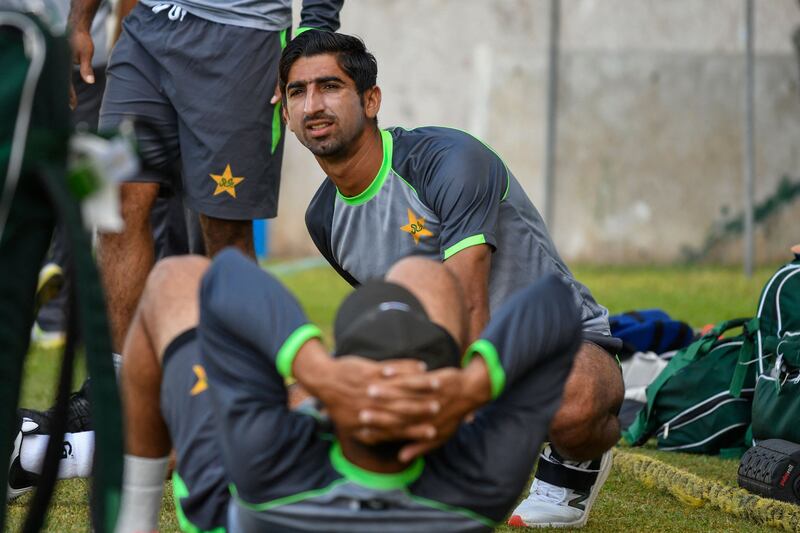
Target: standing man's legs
51, 318
219, 233
126, 258
230, 148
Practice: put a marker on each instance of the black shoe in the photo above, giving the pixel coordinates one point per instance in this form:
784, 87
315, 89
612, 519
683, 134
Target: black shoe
79, 413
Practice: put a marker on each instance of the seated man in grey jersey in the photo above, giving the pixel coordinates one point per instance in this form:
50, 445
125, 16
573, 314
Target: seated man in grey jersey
442, 194
222, 388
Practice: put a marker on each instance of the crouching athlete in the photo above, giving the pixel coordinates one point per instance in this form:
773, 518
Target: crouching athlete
204, 372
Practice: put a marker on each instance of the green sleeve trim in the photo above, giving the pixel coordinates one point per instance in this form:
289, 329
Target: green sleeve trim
439, 506
276, 111
374, 480
286, 500
276, 126
180, 490
464, 243
292, 345
497, 376
303, 29
367, 194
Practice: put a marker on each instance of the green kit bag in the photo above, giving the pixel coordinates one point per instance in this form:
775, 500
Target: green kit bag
689, 405
776, 405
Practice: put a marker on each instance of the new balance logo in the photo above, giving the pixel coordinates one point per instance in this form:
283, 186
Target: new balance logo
66, 450
577, 502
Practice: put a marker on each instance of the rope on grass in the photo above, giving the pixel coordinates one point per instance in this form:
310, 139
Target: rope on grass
695, 491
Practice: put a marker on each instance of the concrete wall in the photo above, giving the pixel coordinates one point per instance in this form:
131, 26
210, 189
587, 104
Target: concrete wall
650, 116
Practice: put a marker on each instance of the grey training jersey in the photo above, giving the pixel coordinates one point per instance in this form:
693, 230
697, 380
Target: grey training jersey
270, 15
439, 191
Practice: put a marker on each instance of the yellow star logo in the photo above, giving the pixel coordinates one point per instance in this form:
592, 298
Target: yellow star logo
416, 227
227, 182
202, 383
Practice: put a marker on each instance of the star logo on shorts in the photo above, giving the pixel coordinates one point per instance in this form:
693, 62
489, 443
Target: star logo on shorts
416, 227
226, 182
202, 383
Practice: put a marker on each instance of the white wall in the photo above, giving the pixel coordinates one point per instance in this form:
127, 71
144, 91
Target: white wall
650, 112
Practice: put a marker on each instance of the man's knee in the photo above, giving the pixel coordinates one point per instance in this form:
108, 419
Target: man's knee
586, 423
171, 277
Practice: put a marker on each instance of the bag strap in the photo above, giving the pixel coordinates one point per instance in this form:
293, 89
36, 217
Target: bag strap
747, 355
643, 427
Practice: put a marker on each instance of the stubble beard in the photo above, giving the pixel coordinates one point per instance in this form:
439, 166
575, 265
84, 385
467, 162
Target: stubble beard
336, 146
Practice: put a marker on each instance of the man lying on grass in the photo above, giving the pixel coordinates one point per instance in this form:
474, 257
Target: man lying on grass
204, 373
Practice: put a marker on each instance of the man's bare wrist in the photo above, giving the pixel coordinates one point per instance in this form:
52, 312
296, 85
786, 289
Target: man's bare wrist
477, 384
311, 366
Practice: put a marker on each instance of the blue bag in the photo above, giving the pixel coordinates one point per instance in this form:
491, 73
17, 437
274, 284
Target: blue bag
650, 330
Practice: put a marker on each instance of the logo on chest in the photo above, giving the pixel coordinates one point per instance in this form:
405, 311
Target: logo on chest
416, 227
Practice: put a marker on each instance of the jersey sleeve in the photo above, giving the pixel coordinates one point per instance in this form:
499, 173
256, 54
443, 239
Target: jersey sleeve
319, 222
320, 15
250, 330
528, 347
464, 186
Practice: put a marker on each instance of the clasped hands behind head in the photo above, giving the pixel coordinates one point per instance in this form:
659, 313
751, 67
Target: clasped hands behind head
395, 400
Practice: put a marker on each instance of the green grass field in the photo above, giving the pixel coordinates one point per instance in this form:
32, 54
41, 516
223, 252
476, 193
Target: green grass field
698, 295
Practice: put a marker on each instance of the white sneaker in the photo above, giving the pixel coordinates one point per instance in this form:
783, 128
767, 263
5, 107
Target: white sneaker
566, 498
20, 481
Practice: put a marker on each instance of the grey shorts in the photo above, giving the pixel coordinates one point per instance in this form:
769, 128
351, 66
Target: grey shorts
199, 482
204, 88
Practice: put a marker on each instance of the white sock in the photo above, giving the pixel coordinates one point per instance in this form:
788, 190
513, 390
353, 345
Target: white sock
142, 488
117, 358
76, 454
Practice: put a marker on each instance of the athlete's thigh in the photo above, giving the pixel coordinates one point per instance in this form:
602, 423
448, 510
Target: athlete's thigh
134, 92
230, 134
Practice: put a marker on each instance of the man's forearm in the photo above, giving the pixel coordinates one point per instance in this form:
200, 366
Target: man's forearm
81, 14
477, 318
311, 366
471, 267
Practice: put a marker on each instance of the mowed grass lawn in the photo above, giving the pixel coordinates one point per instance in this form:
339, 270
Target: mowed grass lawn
698, 295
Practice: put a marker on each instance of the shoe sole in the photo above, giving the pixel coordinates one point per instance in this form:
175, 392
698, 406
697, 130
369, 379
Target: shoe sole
13, 494
605, 469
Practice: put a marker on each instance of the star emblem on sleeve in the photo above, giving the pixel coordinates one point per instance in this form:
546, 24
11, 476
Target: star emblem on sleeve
226, 182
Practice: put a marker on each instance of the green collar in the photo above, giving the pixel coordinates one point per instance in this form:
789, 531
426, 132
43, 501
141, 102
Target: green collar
374, 480
367, 194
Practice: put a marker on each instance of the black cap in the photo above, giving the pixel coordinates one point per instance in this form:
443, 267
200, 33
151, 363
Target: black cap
382, 320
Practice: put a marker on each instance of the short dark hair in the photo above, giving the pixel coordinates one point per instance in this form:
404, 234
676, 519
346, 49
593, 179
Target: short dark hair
351, 55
